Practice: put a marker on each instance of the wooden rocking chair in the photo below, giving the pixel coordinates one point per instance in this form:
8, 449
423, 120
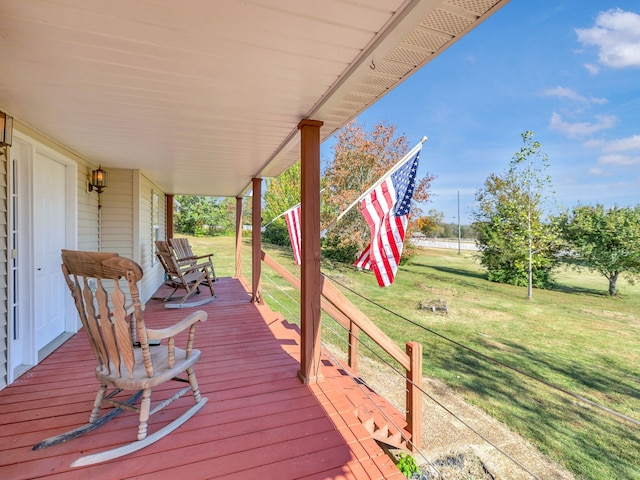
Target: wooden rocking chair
183, 274
109, 321
184, 253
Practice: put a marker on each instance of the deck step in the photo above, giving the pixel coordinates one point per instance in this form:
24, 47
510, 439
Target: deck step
380, 428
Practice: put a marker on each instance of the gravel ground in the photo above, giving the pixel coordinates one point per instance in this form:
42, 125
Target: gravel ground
459, 452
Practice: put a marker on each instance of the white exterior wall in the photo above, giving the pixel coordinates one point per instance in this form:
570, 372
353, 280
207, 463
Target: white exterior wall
127, 223
117, 213
82, 219
124, 220
153, 271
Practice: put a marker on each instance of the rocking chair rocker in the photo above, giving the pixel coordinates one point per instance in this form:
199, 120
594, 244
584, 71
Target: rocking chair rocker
110, 322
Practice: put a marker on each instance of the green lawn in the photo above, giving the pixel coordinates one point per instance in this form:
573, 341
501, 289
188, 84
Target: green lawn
573, 336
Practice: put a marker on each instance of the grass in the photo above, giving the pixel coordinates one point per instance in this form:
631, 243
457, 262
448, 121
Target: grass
573, 336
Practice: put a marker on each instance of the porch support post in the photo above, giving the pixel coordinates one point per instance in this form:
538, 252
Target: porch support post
413, 400
256, 241
169, 215
238, 237
311, 277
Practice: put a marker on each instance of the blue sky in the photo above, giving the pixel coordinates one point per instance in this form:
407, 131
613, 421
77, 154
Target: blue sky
569, 71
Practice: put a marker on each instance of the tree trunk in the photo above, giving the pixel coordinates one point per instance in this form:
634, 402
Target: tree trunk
613, 278
530, 272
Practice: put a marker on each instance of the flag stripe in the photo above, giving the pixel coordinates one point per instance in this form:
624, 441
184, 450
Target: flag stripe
292, 216
391, 242
363, 260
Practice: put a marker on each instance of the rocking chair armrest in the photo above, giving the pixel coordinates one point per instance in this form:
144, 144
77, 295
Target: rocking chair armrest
196, 267
192, 319
189, 261
199, 257
186, 260
200, 266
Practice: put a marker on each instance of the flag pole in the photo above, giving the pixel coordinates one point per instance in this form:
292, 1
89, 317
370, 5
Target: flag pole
283, 213
397, 166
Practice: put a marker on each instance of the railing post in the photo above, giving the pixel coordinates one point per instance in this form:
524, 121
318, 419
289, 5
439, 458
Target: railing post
414, 395
354, 336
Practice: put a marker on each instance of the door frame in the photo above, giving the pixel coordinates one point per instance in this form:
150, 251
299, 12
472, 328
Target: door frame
22, 213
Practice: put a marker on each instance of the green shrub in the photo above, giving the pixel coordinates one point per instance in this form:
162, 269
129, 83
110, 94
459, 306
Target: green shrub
334, 249
276, 233
407, 465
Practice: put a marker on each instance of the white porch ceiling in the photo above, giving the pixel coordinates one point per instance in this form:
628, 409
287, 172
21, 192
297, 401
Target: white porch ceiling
204, 95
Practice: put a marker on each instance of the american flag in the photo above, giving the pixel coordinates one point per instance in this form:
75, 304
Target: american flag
292, 216
386, 210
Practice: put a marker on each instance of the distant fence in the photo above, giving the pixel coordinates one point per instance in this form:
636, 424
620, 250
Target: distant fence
450, 243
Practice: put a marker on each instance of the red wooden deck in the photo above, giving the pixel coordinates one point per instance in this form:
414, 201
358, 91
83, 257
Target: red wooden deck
260, 420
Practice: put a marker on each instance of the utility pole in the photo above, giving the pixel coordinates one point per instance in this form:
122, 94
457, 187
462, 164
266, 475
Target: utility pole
458, 222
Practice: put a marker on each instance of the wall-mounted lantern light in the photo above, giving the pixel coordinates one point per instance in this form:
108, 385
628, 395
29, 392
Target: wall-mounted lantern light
98, 183
98, 180
6, 129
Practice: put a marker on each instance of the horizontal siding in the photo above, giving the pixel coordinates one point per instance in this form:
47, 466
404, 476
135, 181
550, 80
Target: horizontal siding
153, 272
127, 231
87, 211
117, 213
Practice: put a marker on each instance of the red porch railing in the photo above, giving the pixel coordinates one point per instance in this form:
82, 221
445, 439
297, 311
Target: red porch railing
335, 304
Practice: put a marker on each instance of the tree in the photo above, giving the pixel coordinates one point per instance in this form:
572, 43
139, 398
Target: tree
202, 216
281, 193
607, 241
431, 224
516, 245
361, 158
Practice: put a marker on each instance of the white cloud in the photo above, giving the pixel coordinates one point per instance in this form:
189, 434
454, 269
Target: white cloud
623, 144
581, 129
617, 35
563, 92
599, 101
592, 69
593, 143
618, 160
599, 172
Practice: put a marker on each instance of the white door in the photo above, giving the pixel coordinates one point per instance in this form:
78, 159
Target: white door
49, 217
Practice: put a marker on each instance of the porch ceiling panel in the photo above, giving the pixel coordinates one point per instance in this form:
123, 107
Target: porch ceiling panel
203, 96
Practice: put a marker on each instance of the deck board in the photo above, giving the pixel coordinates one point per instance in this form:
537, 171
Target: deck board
259, 418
